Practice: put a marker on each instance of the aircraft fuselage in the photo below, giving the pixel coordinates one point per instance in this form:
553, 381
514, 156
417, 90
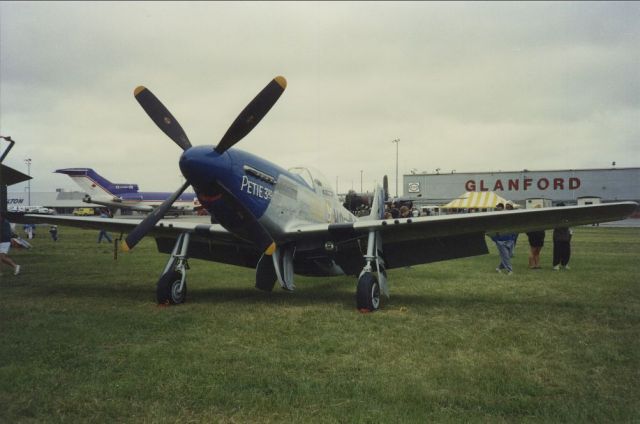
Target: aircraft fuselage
280, 199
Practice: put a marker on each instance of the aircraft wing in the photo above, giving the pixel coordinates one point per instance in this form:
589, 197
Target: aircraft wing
164, 228
407, 241
486, 222
411, 241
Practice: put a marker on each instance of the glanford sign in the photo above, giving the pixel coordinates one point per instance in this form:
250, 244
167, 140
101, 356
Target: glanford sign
567, 185
523, 184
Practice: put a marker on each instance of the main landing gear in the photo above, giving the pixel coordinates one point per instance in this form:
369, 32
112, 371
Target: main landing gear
369, 286
372, 281
172, 285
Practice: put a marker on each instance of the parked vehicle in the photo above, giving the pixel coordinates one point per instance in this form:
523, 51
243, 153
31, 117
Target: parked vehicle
83, 212
39, 210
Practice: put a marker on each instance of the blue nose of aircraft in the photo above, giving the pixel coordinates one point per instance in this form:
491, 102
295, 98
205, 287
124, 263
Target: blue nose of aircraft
202, 166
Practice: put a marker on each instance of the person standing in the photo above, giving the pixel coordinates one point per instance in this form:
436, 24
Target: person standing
536, 241
54, 232
103, 232
5, 245
29, 229
504, 243
561, 247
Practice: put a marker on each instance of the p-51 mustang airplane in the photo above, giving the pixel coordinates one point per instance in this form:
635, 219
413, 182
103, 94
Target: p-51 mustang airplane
101, 191
285, 222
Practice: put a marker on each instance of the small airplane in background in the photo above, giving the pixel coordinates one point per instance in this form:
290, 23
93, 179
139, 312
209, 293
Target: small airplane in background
101, 191
283, 222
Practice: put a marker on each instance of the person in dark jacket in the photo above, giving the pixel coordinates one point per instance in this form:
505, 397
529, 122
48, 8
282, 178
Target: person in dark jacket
561, 246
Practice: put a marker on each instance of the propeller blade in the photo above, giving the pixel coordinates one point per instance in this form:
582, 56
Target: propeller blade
152, 219
252, 114
253, 230
161, 116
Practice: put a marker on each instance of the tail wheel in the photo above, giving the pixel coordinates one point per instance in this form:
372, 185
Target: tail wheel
368, 293
168, 289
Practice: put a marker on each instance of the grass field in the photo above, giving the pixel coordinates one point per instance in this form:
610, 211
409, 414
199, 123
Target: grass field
83, 341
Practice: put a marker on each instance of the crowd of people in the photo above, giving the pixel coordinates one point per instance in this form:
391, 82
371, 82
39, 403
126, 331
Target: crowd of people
403, 209
506, 242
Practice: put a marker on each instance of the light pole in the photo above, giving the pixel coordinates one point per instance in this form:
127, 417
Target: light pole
28, 162
361, 181
397, 142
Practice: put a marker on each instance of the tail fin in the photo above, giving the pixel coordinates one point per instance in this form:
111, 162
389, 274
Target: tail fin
377, 204
95, 185
385, 187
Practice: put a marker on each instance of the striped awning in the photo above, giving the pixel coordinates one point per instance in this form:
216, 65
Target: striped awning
475, 199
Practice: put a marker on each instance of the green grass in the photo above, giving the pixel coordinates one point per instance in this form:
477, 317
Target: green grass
83, 341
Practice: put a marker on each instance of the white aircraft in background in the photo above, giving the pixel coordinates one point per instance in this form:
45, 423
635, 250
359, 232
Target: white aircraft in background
101, 191
284, 222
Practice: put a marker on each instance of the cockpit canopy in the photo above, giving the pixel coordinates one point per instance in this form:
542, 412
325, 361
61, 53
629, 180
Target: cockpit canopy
315, 180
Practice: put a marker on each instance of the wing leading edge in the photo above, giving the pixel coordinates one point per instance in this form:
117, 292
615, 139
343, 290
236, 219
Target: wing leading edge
164, 228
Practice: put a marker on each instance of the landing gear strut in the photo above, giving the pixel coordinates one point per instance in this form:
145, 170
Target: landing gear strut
369, 286
172, 285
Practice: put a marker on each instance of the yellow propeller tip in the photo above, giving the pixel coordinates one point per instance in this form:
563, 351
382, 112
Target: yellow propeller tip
282, 82
125, 247
139, 89
270, 249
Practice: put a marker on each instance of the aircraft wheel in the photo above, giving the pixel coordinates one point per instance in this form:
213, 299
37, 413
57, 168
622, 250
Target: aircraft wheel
167, 291
368, 293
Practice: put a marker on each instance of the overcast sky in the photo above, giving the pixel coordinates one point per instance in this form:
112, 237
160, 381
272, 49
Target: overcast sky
464, 86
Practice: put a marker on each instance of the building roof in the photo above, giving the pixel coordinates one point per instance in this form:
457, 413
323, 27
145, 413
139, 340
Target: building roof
521, 171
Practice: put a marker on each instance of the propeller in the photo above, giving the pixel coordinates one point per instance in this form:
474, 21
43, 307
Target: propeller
250, 116
161, 116
152, 219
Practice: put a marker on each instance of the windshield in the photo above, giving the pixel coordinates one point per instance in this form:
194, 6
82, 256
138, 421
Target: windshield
314, 179
304, 174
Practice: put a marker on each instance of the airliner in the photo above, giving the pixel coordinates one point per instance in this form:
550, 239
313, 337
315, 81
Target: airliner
100, 191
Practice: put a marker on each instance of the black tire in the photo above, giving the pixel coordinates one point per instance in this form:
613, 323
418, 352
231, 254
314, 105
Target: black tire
167, 289
368, 293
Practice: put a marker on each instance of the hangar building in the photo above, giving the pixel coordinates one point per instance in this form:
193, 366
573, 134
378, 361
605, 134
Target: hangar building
568, 185
60, 200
